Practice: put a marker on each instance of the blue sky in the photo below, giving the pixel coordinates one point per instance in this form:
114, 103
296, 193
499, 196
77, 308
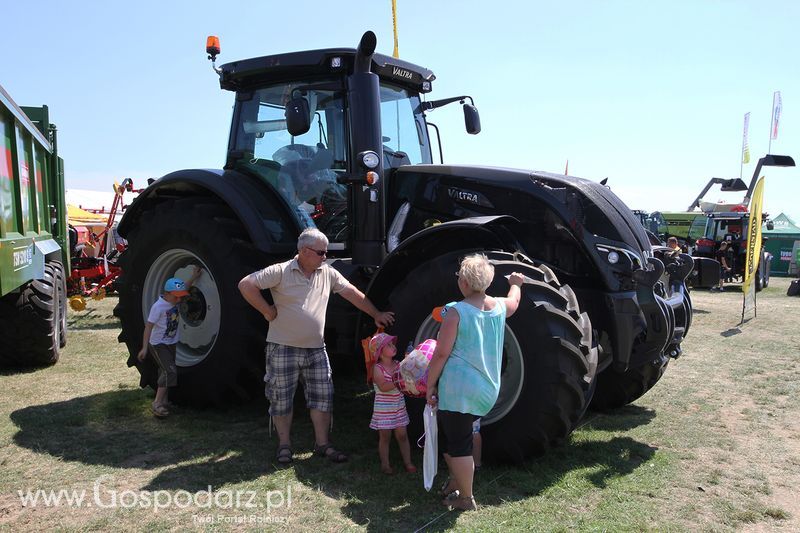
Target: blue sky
649, 94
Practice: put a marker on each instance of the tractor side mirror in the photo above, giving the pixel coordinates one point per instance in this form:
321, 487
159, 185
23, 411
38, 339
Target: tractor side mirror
298, 117
472, 120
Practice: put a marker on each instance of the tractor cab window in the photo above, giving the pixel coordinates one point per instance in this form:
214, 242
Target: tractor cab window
725, 229
304, 168
697, 228
403, 127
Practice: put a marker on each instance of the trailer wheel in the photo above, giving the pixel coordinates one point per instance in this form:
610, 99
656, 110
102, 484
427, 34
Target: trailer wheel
548, 356
30, 323
616, 389
220, 353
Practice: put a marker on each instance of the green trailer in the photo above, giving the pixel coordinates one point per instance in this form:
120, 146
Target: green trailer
34, 243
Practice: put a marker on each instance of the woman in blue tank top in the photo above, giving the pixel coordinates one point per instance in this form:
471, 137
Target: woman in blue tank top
464, 373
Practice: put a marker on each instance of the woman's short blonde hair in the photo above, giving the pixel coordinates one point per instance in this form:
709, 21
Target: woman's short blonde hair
477, 272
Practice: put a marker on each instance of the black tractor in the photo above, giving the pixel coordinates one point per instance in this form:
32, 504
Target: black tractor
339, 139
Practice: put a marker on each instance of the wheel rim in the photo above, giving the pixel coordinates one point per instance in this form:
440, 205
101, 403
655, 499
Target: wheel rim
512, 370
200, 312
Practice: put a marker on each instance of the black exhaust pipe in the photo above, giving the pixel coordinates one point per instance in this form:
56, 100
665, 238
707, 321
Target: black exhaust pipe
369, 224
364, 52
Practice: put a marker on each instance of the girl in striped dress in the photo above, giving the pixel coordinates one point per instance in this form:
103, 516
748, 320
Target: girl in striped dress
389, 411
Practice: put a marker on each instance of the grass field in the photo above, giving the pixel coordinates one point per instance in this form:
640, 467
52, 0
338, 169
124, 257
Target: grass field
714, 446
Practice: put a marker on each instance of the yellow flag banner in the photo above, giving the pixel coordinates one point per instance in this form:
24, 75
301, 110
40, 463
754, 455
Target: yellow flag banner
753, 250
396, 52
745, 145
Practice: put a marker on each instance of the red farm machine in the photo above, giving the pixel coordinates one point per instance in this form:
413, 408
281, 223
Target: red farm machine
94, 261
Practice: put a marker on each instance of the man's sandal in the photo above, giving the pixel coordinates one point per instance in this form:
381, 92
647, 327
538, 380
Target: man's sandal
284, 455
331, 453
460, 503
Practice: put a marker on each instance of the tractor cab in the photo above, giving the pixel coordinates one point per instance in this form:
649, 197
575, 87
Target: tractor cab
325, 129
310, 170
730, 227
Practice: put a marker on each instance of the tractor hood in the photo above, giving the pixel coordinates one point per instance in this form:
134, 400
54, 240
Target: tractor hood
583, 205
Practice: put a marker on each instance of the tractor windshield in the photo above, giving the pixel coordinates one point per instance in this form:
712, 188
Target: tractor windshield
697, 228
302, 168
405, 141
726, 229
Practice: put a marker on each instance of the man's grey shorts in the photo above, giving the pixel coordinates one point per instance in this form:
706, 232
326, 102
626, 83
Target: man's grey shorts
164, 355
285, 366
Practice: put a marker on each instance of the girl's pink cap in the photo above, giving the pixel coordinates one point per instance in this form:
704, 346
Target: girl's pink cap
378, 342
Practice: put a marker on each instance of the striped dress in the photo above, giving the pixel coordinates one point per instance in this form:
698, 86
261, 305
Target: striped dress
389, 410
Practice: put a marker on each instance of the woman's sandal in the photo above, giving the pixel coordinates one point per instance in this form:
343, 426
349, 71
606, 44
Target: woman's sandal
388, 470
329, 452
159, 411
284, 455
411, 469
449, 483
460, 503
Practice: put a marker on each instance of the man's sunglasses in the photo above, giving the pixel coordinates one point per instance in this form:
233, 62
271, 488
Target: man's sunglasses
321, 253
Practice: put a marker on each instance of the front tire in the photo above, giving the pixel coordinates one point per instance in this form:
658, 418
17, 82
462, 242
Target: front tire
220, 353
548, 359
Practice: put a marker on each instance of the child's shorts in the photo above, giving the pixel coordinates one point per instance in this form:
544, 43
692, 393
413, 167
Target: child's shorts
164, 355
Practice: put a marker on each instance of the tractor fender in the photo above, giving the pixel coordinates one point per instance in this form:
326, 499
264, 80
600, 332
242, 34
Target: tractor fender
475, 233
264, 213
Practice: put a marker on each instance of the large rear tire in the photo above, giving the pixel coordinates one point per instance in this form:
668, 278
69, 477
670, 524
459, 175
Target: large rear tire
220, 353
548, 358
30, 322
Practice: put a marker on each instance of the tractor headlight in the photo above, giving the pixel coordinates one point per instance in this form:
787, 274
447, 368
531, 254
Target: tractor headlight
613, 257
369, 159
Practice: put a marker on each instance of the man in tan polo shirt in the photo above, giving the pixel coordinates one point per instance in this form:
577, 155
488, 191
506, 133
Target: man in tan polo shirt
295, 345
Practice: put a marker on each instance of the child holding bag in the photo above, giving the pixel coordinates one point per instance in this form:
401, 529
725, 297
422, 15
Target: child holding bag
389, 410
